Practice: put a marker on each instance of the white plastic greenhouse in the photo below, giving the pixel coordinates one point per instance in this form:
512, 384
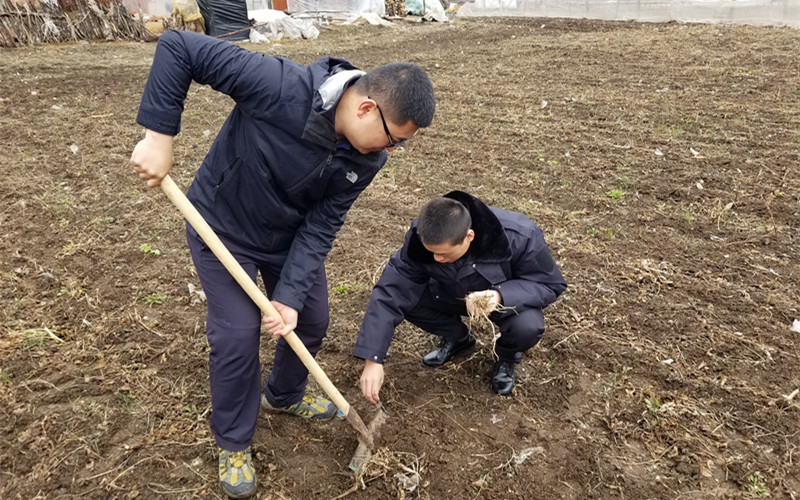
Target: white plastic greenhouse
756, 12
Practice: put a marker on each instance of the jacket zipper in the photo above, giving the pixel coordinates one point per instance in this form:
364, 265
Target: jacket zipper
299, 184
327, 164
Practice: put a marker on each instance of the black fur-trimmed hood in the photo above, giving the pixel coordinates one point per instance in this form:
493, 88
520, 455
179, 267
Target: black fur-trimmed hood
490, 243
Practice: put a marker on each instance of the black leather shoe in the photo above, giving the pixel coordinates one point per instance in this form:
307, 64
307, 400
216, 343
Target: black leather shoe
447, 350
503, 377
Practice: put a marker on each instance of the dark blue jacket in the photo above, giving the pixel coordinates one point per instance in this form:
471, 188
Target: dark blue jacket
274, 180
508, 254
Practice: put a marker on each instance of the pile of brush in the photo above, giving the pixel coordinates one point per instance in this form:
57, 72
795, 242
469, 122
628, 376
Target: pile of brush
31, 22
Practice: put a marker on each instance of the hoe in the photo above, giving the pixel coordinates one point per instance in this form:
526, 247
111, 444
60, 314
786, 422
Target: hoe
190, 213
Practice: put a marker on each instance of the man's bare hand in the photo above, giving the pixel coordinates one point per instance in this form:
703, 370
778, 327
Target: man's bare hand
483, 303
152, 157
371, 381
276, 327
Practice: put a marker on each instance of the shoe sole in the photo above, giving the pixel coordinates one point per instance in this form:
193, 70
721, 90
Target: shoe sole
304, 417
241, 495
504, 394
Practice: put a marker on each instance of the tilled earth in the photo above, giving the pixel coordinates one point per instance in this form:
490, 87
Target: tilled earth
660, 160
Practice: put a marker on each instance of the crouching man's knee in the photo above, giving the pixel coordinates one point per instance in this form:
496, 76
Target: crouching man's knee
523, 330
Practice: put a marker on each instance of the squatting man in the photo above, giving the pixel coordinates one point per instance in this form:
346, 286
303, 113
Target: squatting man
462, 257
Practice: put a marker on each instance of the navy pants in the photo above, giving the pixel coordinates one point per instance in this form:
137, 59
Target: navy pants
519, 330
233, 328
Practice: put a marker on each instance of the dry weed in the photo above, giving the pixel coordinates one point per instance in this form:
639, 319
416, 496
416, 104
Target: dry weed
479, 323
407, 469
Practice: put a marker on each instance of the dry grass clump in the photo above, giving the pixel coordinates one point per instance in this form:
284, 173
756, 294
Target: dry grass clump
407, 469
480, 322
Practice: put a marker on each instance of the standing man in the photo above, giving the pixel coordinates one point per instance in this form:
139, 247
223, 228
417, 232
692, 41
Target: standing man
462, 257
297, 149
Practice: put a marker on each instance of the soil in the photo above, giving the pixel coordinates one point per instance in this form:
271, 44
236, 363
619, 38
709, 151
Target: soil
660, 160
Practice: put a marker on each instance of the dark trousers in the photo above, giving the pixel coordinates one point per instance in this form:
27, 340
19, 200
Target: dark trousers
233, 328
519, 330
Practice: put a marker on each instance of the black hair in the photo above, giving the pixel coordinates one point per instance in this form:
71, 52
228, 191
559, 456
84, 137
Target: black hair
443, 220
402, 90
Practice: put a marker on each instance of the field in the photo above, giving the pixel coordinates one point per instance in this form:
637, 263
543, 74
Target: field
661, 160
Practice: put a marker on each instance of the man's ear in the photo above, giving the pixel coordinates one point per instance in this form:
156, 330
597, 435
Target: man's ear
365, 107
470, 235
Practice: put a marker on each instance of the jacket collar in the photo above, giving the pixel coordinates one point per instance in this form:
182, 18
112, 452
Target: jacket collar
335, 75
490, 243
332, 89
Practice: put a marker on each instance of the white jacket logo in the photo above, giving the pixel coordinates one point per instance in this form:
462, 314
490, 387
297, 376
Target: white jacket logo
352, 176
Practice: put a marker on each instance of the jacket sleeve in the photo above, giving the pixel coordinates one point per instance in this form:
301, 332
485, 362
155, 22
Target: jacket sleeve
182, 57
313, 240
398, 290
536, 279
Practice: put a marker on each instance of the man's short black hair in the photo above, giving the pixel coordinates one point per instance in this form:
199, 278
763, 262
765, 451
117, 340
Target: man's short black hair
402, 90
443, 220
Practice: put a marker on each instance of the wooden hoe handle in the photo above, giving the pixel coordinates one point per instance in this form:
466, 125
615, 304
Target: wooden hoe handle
211, 239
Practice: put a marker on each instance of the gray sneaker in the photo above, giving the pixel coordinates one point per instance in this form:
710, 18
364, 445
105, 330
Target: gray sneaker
236, 473
311, 407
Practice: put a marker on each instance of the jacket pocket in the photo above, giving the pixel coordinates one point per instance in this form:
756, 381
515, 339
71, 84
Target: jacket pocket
317, 176
247, 198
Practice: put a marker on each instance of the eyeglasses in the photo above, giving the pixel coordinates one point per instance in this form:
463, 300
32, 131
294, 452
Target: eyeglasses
392, 142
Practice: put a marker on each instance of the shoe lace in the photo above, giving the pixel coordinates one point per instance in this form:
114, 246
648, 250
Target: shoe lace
237, 458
